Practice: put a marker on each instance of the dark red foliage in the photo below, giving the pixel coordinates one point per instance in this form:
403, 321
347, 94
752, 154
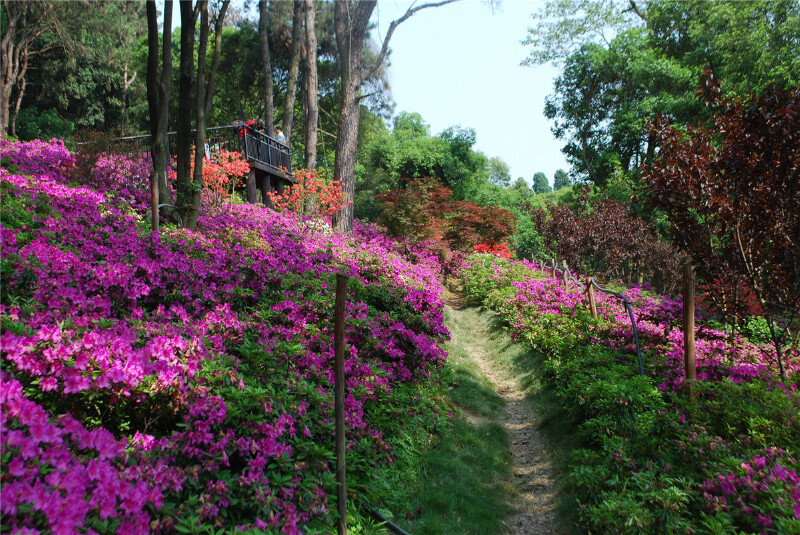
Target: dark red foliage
424, 211
731, 192
602, 238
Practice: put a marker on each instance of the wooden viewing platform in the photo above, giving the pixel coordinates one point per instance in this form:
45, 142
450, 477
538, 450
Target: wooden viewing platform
270, 164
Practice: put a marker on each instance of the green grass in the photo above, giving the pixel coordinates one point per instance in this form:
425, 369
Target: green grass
462, 483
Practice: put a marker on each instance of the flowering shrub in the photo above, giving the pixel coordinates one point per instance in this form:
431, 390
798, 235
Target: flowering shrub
310, 193
654, 461
184, 381
767, 479
500, 250
424, 211
222, 173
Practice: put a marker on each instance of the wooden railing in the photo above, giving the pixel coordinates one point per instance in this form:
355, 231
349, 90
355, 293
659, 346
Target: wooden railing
261, 151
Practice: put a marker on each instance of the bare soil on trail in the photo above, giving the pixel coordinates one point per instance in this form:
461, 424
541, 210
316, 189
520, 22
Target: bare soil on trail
533, 472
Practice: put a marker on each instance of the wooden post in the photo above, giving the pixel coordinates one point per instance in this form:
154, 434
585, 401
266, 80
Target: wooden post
566, 272
251, 186
339, 381
554, 267
592, 301
688, 327
154, 199
265, 185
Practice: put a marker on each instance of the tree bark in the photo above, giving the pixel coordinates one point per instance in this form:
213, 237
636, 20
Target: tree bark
185, 102
158, 95
21, 83
351, 18
204, 96
263, 37
291, 85
126, 85
350, 26
26, 21
312, 105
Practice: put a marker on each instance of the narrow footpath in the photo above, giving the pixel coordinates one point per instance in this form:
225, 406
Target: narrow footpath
493, 352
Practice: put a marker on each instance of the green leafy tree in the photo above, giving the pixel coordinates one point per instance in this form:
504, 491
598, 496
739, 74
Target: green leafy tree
623, 62
86, 66
409, 126
561, 180
540, 184
499, 174
522, 187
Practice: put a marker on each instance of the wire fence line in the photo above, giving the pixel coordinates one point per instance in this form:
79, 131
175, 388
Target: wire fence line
567, 276
590, 284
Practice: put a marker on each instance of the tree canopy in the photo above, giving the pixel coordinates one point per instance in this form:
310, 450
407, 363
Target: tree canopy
623, 62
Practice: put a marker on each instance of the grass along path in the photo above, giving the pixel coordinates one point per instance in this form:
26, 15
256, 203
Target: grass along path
493, 353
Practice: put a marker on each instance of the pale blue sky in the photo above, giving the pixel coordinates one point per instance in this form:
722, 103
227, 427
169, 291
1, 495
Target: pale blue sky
460, 64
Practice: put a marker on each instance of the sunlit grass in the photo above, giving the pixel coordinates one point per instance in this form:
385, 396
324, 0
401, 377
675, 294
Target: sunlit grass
463, 482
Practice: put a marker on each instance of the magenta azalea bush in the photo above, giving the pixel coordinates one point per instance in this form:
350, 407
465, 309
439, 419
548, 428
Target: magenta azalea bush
649, 459
183, 381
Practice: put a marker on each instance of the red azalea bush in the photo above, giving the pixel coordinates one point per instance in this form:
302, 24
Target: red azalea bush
310, 192
500, 250
222, 173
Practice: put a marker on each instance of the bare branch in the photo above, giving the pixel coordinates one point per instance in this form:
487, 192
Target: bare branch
385, 47
327, 133
636, 10
331, 117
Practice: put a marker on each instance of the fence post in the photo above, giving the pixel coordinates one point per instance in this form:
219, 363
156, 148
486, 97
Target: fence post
688, 327
592, 302
154, 199
566, 272
339, 382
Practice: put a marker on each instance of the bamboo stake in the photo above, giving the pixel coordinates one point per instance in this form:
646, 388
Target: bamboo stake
154, 199
592, 301
688, 328
339, 383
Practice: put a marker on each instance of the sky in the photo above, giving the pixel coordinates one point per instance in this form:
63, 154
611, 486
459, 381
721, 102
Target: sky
459, 64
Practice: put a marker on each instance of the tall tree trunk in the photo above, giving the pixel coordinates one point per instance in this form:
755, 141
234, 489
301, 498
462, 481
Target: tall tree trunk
312, 106
21, 83
204, 96
351, 18
190, 212
126, 86
291, 85
185, 101
266, 62
158, 95
350, 26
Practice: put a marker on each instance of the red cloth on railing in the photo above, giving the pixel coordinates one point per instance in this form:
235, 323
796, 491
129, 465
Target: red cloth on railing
250, 125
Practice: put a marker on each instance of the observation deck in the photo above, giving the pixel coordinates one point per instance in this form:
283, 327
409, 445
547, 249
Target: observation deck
268, 158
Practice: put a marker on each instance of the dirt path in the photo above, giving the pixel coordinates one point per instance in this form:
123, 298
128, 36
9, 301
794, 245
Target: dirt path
533, 473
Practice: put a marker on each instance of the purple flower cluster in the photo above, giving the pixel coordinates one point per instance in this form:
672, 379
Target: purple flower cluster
177, 340
63, 472
740, 492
